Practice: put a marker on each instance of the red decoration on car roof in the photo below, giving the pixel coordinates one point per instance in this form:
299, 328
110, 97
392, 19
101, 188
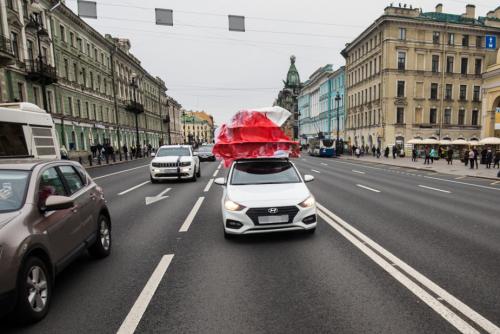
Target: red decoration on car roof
255, 134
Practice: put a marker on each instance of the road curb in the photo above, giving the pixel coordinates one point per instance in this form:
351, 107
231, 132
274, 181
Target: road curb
111, 164
421, 169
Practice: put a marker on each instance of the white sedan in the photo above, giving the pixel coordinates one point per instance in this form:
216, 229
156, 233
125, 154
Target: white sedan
266, 195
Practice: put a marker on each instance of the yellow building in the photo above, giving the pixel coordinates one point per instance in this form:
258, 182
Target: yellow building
491, 100
414, 74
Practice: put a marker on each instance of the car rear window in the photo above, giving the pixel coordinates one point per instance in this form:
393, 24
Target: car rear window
264, 172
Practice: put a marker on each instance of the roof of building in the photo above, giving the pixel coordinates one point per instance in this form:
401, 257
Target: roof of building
292, 77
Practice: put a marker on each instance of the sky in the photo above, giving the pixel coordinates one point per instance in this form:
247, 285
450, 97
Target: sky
206, 67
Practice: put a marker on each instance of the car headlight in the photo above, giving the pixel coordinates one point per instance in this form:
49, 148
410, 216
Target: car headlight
185, 163
308, 202
232, 206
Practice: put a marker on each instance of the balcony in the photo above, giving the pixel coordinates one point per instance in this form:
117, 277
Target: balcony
7, 56
166, 119
40, 71
134, 107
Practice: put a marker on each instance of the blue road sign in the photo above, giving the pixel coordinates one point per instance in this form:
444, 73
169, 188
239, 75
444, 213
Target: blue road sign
491, 42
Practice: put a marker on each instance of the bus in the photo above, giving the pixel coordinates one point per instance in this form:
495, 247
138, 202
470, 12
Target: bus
321, 147
26, 131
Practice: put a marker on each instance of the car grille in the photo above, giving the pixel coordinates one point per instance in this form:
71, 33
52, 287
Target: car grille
254, 213
170, 164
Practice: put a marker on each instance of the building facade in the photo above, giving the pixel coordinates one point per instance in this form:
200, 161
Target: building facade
317, 105
288, 99
417, 75
198, 127
91, 84
491, 100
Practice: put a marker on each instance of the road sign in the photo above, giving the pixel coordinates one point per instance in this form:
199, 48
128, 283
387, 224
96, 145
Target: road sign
491, 42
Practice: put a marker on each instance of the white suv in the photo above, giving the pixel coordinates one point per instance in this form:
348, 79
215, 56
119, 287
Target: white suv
173, 162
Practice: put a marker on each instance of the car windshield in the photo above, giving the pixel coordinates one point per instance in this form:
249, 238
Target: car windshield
264, 172
173, 151
205, 149
13, 184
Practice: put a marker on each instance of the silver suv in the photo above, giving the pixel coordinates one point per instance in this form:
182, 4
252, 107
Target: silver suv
50, 212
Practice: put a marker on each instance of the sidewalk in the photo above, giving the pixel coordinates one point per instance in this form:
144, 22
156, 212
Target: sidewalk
85, 162
439, 166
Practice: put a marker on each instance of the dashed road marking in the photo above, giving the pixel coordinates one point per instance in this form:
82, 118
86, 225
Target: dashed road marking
324, 164
368, 188
120, 172
209, 184
215, 173
189, 219
316, 171
133, 188
358, 171
435, 189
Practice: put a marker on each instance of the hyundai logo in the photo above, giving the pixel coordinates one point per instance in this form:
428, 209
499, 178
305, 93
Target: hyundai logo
272, 210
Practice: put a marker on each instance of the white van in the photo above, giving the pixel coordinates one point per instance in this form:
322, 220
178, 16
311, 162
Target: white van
26, 131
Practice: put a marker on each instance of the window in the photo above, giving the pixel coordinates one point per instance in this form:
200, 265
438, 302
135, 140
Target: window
15, 183
400, 115
449, 90
435, 63
73, 179
50, 184
95, 54
451, 38
433, 116
465, 40
79, 43
75, 71
449, 64
35, 95
72, 39
84, 77
70, 105
434, 91
463, 67
463, 92
401, 89
401, 60
87, 110
264, 173
88, 49
20, 91
79, 108
66, 69
402, 34
62, 33
92, 80
461, 117
49, 101
475, 117
478, 66
15, 44
477, 90
435, 37
479, 42
447, 116
31, 50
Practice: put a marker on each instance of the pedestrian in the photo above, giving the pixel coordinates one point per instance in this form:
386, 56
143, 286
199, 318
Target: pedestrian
449, 156
125, 151
471, 158
427, 156
394, 151
489, 158
93, 149
414, 154
386, 152
374, 150
358, 152
484, 151
466, 157
497, 160
378, 152
433, 154
133, 151
476, 156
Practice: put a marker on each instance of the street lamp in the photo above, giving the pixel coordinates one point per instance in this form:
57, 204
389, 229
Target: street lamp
135, 86
337, 101
184, 125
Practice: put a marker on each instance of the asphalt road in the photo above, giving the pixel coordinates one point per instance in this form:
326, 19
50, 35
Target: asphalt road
431, 263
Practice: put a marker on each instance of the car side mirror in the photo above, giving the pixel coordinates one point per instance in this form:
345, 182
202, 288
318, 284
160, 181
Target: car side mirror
153, 154
54, 203
308, 178
220, 181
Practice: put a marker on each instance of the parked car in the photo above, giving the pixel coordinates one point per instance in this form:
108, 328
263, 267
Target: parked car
266, 195
172, 162
50, 212
205, 153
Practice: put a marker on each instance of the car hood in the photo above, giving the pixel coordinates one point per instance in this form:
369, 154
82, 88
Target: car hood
265, 195
7, 217
171, 159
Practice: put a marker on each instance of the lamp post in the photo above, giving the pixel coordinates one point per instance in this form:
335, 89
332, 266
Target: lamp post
184, 125
167, 120
134, 86
337, 101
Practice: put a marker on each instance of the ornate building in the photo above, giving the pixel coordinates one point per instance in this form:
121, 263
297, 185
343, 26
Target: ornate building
491, 99
198, 127
418, 74
288, 99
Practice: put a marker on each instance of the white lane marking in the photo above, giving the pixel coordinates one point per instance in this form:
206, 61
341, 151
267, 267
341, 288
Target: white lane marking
316, 171
192, 214
460, 177
368, 188
215, 173
496, 182
115, 173
426, 297
133, 318
450, 299
133, 188
209, 184
153, 199
357, 171
436, 189
459, 182
324, 164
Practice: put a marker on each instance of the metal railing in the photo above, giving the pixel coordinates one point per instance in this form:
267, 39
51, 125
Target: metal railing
135, 107
40, 70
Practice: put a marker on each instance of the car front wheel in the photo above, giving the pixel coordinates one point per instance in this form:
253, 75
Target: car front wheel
34, 291
102, 246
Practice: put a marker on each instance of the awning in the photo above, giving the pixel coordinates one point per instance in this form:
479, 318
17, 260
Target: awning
489, 141
430, 141
415, 141
459, 142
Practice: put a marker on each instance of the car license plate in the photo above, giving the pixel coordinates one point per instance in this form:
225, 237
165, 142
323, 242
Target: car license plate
273, 219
